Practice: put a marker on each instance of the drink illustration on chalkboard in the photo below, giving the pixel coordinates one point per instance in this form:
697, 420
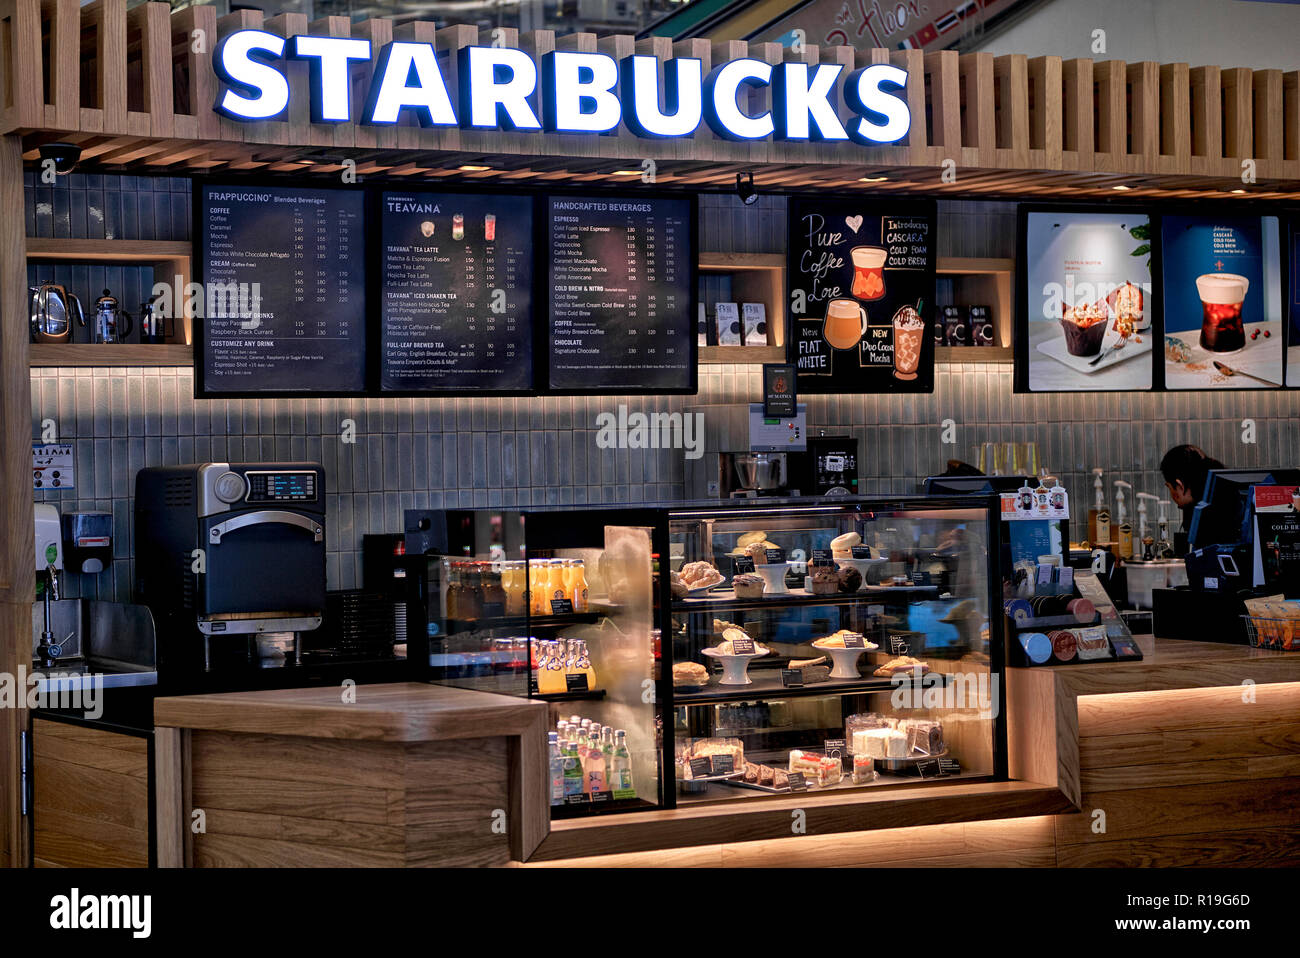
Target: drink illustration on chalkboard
426, 228
1222, 296
909, 334
458, 226
868, 272
490, 228
845, 323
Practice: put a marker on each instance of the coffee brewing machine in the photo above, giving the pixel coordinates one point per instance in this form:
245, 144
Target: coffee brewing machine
762, 456
230, 558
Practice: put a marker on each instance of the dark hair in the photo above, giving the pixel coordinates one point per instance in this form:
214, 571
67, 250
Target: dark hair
1188, 464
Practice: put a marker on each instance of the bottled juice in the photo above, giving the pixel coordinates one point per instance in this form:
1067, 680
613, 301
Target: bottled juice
555, 582
471, 605
582, 664
550, 672
621, 763
494, 593
512, 581
575, 584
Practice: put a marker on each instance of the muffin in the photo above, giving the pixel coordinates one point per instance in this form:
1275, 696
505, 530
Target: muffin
849, 579
1084, 327
825, 582
758, 552
748, 585
842, 546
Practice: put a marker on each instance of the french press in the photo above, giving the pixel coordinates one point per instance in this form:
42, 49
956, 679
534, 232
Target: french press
112, 323
154, 325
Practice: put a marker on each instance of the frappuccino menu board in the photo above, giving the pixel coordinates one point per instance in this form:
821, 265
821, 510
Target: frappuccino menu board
619, 292
860, 278
456, 277
282, 271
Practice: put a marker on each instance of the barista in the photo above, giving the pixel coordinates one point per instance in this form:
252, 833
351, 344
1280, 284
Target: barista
1185, 469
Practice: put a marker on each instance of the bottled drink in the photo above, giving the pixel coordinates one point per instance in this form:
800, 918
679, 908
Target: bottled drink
537, 587
550, 672
593, 765
582, 664
573, 777
453, 590
471, 602
555, 582
621, 763
494, 594
576, 585
556, 766
512, 581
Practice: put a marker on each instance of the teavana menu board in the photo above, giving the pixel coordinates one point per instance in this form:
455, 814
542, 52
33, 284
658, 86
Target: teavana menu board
620, 293
1223, 303
860, 281
282, 270
456, 281
1085, 301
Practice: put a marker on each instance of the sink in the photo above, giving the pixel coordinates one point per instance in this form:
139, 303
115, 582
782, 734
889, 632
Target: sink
115, 640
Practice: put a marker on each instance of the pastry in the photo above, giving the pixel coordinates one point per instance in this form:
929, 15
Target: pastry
700, 575
806, 663
766, 775
902, 664
758, 552
711, 748
848, 579
842, 546
747, 539
836, 641
690, 673
864, 769
1084, 327
780, 778
748, 585
751, 773
825, 582
679, 586
880, 743
817, 768
924, 737
721, 625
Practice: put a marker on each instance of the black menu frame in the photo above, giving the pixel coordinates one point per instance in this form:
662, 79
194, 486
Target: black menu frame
375, 190
1020, 331
199, 256
542, 305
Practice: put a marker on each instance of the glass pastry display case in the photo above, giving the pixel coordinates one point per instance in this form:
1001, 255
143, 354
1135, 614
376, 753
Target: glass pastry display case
560, 606
832, 645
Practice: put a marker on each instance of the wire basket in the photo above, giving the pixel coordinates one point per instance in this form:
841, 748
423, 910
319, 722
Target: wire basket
1280, 634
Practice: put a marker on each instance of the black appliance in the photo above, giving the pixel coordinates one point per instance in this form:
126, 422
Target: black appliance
830, 466
1223, 514
228, 552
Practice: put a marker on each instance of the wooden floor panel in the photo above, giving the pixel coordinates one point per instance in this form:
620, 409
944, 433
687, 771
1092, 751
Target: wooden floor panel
1245, 848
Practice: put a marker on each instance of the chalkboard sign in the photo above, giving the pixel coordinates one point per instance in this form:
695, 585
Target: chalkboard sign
455, 280
743, 564
861, 294
621, 295
282, 308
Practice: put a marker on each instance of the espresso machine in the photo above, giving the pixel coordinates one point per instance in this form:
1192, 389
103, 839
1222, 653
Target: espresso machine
230, 558
757, 456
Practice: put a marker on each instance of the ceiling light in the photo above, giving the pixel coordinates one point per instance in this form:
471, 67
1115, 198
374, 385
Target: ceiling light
1120, 187
626, 173
873, 179
745, 188
1237, 191
468, 168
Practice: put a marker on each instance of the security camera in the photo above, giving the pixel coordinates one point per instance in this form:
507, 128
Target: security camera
64, 155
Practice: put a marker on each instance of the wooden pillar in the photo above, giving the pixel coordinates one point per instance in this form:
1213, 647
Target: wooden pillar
17, 572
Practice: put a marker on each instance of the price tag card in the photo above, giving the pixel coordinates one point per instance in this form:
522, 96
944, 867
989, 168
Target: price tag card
601, 796
855, 641
792, 678
921, 578
949, 766
743, 646
929, 768
775, 555
701, 768
898, 645
724, 764
834, 748
797, 782
623, 793
1065, 578
1125, 648
576, 682
575, 799
743, 564
862, 552
821, 557
1045, 574
532, 684
561, 606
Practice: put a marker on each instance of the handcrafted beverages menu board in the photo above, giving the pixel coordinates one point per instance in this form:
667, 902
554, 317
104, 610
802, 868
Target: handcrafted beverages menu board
861, 294
282, 274
1085, 302
1222, 299
620, 293
456, 281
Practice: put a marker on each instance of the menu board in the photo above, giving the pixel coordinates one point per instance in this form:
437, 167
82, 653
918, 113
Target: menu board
1222, 298
456, 280
282, 272
1293, 329
620, 293
1085, 302
861, 294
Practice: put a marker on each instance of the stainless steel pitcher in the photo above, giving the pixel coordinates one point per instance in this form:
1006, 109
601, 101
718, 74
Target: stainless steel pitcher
53, 309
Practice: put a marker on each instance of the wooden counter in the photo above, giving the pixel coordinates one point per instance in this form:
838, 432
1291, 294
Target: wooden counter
383, 775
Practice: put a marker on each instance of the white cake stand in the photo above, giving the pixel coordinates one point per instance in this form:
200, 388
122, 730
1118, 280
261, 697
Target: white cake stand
735, 668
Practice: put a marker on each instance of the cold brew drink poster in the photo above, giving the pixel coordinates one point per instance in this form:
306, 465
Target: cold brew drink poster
1086, 302
861, 294
1293, 334
456, 288
620, 293
1222, 299
283, 274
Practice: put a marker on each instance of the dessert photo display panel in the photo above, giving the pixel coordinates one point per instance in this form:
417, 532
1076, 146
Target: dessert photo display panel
1222, 299
860, 288
1293, 328
1085, 310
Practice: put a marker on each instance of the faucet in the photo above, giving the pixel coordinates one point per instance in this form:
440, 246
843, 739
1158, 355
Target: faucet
49, 650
